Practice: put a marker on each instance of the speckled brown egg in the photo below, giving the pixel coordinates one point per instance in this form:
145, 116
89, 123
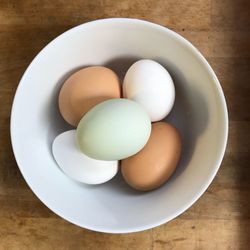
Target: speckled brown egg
156, 162
86, 88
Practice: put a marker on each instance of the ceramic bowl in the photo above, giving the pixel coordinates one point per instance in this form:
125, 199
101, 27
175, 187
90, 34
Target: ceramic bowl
199, 112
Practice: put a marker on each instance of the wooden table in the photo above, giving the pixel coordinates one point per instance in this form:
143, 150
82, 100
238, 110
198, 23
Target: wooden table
221, 30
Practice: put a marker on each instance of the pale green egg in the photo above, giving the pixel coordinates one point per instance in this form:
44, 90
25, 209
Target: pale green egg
113, 130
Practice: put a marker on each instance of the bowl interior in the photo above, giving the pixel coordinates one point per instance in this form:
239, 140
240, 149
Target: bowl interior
199, 113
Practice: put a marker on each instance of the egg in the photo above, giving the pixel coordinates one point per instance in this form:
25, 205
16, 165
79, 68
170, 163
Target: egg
86, 88
150, 84
78, 166
113, 130
155, 163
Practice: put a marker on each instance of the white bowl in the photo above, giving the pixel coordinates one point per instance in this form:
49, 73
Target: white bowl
199, 112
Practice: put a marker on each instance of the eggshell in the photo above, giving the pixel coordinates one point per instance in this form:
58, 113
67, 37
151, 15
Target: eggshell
84, 89
113, 130
78, 166
150, 84
155, 163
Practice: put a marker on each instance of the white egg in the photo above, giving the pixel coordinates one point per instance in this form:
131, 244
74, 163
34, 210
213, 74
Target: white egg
149, 83
77, 165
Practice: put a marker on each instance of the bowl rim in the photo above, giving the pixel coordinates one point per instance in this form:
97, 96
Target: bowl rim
210, 178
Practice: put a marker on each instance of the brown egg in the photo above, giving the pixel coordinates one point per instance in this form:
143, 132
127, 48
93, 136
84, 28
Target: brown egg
155, 163
86, 88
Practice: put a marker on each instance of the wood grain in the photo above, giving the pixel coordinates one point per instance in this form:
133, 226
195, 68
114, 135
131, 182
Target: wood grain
221, 217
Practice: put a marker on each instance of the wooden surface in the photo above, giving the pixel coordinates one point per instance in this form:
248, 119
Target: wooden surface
221, 30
